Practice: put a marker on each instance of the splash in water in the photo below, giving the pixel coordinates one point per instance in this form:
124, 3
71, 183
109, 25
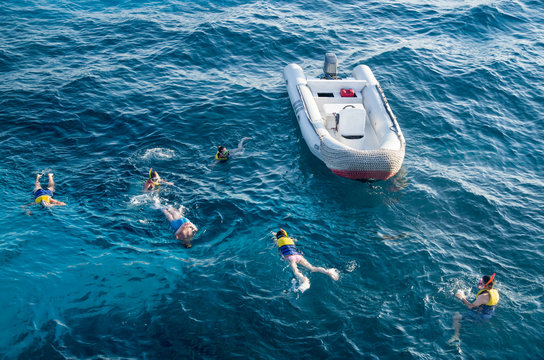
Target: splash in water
158, 153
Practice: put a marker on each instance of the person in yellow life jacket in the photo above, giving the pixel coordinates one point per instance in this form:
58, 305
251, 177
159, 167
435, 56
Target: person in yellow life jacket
482, 308
222, 154
154, 182
290, 253
45, 197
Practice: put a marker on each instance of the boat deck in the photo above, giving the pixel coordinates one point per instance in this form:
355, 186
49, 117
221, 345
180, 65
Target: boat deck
329, 106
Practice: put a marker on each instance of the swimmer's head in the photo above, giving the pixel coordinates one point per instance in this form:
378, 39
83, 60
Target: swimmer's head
487, 281
222, 153
154, 177
221, 150
281, 234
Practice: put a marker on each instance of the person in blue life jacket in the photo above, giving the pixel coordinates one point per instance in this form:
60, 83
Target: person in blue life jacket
154, 182
184, 229
290, 253
482, 308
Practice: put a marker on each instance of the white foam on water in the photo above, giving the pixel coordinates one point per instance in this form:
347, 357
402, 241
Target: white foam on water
295, 287
158, 153
351, 265
140, 199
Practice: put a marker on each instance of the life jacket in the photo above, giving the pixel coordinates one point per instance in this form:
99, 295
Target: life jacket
489, 308
224, 156
44, 198
287, 247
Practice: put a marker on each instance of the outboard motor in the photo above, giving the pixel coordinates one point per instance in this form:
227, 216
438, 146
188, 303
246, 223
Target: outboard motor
330, 66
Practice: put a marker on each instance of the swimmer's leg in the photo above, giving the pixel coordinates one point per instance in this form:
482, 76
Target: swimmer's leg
171, 213
241, 143
168, 215
51, 185
175, 212
302, 280
37, 185
457, 326
333, 273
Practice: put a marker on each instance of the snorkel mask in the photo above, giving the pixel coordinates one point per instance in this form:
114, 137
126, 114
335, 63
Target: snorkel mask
153, 179
481, 283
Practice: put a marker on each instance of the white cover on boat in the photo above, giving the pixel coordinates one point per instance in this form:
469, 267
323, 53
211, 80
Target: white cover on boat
352, 122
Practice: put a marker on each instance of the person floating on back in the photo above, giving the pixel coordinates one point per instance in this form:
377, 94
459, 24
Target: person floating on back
290, 253
184, 229
482, 308
154, 182
45, 197
222, 154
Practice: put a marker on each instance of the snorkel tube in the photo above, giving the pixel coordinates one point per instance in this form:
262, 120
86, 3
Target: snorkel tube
481, 283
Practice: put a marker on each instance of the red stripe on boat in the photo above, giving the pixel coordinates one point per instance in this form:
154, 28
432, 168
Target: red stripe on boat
363, 175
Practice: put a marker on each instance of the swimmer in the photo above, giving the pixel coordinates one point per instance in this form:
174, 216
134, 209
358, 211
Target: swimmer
222, 154
154, 182
184, 230
290, 253
482, 308
45, 197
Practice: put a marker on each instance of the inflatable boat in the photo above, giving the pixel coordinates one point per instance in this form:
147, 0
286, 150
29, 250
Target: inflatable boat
347, 123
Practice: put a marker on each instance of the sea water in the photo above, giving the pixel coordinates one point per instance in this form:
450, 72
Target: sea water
98, 92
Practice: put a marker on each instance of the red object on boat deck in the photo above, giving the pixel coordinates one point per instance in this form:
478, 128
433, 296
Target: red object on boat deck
347, 93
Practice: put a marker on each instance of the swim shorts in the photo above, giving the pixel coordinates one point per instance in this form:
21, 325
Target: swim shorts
41, 192
176, 224
476, 316
296, 258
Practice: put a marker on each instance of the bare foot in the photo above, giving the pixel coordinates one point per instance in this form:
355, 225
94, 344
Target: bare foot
453, 339
39, 176
333, 273
305, 285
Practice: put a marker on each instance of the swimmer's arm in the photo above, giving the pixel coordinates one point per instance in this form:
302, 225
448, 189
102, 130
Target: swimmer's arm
166, 182
177, 234
481, 300
24, 207
56, 202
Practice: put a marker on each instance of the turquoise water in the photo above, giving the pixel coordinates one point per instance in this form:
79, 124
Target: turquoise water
98, 92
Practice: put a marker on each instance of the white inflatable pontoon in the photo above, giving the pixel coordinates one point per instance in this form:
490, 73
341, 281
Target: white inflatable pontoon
347, 123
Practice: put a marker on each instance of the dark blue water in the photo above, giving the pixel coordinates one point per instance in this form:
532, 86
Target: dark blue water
99, 92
